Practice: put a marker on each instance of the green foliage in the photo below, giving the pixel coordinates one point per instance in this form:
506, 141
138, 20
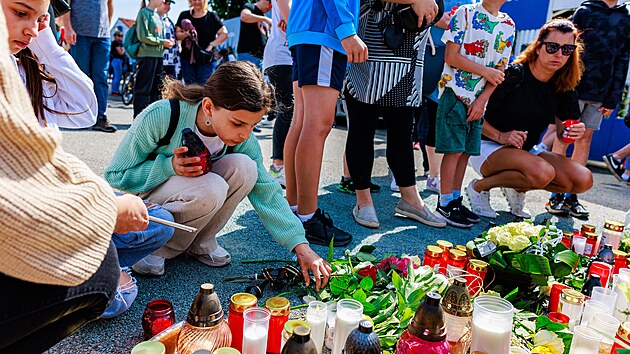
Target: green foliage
227, 9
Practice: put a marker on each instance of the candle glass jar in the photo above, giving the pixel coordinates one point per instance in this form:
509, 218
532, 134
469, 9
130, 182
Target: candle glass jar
238, 304
571, 303
316, 315
567, 238
579, 244
612, 233
477, 269
279, 309
433, 258
606, 326
587, 228
621, 261
554, 296
457, 310
456, 263
158, 316
591, 247
492, 325
603, 270
622, 338
331, 318
592, 307
585, 341
349, 313
255, 329
446, 248
465, 250
605, 296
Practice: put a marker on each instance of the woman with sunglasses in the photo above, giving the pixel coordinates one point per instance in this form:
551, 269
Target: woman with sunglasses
539, 89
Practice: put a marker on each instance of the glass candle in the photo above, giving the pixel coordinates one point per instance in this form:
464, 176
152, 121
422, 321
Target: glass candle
571, 303
622, 337
606, 297
349, 314
478, 269
456, 263
591, 247
621, 261
433, 258
606, 326
463, 249
592, 307
255, 328
316, 317
567, 238
149, 347
238, 304
603, 270
554, 296
158, 316
492, 325
279, 309
585, 341
587, 228
612, 233
446, 248
579, 243
331, 318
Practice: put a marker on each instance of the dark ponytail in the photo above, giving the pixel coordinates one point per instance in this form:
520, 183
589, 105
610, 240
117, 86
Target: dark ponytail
35, 74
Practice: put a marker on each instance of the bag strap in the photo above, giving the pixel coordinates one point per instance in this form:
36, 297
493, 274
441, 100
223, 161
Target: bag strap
172, 125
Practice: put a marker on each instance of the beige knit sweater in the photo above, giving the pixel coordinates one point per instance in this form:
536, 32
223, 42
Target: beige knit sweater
56, 215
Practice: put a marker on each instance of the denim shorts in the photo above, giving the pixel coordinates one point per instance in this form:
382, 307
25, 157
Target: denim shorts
591, 117
453, 134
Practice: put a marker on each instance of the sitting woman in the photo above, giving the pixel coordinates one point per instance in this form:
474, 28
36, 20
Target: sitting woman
222, 113
63, 96
538, 90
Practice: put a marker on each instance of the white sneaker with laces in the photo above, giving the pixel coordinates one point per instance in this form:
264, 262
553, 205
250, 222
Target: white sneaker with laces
480, 201
516, 200
218, 258
433, 184
149, 265
393, 186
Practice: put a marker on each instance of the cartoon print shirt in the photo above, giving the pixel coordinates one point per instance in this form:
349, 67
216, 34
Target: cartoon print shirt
484, 39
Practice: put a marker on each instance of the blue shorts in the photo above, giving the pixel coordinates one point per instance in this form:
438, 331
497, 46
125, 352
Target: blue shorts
318, 65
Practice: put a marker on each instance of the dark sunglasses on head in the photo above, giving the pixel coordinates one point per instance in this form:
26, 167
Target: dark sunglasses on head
552, 48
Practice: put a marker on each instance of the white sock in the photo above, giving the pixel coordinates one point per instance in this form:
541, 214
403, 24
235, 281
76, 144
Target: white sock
625, 177
305, 218
293, 208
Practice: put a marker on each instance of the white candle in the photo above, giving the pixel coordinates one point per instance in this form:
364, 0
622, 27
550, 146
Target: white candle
318, 330
255, 340
343, 327
490, 339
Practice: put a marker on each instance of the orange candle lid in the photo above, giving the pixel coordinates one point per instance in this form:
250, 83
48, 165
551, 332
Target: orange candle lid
278, 306
457, 255
434, 251
477, 265
242, 301
572, 296
613, 225
444, 244
590, 235
588, 227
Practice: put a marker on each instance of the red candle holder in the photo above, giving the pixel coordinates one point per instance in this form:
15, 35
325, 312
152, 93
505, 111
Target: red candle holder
558, 317
554, 296
602, 269
158, 316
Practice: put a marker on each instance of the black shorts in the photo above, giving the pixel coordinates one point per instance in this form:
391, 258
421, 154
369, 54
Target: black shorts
318, 65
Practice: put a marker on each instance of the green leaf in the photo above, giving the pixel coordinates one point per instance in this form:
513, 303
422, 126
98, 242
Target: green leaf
367, 249
512, 295
406, 317
496, 261
324, 295
366, 257
338, 285
368, 309
353, 283
331, 251
529, 263
366, 284
563, 263
359, 295
397, 281
413, 300
539, 279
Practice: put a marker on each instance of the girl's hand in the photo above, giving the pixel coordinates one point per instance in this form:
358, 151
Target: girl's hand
476, 109
309, 260
44, 22
576, 131
181, 163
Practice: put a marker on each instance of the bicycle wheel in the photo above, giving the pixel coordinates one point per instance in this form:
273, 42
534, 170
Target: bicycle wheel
126, 88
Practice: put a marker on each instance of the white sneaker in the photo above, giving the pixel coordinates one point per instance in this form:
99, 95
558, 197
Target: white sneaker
393, 186
219, 258
480, 202
149, 265
278, 175
265, 122
433, 184
516, 200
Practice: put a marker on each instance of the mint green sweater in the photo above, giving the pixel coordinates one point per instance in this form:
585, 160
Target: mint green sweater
150, 30
132, 171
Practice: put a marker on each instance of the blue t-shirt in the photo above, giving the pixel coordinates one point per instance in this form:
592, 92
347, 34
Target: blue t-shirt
90, 18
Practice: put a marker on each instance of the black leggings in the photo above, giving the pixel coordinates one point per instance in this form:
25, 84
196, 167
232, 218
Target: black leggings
363, 119
146, 88
280, 78
34, 317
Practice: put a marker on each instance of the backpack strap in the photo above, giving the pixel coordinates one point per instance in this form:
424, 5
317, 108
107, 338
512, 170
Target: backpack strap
172, 125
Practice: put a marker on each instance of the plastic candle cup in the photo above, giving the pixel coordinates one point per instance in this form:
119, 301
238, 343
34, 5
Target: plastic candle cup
607, 327
585, 341
491, 325
349, 314
592, 307
316, 315
579, 243
606, 297
255, 328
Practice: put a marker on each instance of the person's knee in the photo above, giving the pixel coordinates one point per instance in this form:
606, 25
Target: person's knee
581, 180
245, 171
540, 175
207, 195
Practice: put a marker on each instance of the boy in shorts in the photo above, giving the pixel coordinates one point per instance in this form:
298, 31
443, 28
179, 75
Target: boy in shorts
478, 45
323, 40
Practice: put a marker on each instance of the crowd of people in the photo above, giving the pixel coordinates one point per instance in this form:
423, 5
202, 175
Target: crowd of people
482, 109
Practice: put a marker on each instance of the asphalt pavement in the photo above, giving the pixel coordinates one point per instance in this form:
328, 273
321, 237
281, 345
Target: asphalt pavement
246, 238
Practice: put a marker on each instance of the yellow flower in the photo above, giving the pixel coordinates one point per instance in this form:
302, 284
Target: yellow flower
541, 349
546, 342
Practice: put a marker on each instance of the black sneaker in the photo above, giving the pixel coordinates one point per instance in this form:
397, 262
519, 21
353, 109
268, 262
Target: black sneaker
555, 205
453, 215
347, 186
256, 129
467, 213
102, 124
615, 166
320, 230
576, 209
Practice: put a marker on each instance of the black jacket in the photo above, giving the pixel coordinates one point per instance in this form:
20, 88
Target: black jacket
606, 37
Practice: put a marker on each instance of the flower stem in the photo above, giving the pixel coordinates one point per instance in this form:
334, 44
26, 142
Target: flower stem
266, 261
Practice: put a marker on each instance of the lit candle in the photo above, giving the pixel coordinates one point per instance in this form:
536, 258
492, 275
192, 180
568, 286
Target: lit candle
316, 318
349, 314
255, 340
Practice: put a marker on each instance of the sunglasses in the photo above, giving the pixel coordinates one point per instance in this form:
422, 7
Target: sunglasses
553, 48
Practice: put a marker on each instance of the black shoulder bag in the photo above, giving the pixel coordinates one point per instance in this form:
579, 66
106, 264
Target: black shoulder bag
403, 20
